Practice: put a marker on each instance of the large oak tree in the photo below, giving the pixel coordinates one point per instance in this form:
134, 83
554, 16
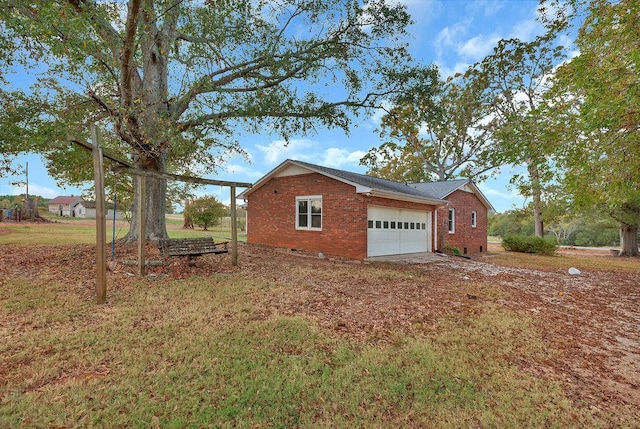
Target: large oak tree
518, 76
598, 94
437, 138
172, 81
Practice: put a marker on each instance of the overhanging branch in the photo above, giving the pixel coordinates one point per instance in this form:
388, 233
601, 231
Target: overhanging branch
129, 168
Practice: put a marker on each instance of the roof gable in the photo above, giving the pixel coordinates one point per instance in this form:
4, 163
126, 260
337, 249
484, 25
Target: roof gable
88, 204
425, 192
441, 189
445, 188
65, 200
368, 183
363, 184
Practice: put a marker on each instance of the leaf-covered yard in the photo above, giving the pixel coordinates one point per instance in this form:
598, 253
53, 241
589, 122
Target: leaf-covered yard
289, 339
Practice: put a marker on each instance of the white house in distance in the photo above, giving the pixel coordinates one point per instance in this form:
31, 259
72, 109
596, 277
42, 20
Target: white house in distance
77, 207
64, 206
86, 209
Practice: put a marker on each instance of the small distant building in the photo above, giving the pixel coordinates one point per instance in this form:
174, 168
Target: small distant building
119, 214
65, 205
77, 207
85, 209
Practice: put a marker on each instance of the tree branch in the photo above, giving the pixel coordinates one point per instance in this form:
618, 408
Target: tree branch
128, 48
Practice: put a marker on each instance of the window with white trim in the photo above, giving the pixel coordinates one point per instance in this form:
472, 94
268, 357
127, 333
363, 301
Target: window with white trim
309, 212
452, 221
474, 219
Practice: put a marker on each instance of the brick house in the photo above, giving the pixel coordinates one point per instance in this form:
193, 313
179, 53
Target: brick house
462, 222
313, 208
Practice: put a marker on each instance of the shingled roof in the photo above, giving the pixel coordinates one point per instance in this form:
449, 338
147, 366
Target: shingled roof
440, 189
64, 200
375, 183
426, 192
445, 188
364, 184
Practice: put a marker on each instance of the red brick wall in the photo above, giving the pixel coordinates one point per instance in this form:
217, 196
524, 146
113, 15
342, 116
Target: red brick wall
465, 236
272, 209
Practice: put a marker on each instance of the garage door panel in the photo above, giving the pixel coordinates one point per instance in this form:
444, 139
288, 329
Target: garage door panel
397, 231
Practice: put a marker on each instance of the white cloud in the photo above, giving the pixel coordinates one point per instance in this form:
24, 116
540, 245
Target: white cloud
43, 191
376, 118
13, 190
35, 189
478, 47
243, 171
459, 67
303, 150
423, 11
496, 193
279, 150
220, 193
485, 7
480, 25
448, 37
501, 194
337, 158
527, 30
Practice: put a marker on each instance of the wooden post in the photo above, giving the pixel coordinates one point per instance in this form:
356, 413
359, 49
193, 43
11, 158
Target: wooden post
234, 228
142, 228
101, 228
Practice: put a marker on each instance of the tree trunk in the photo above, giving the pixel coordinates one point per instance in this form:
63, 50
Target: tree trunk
536, 192
148, 97
188, 224
31, 208
629, 240
154, 204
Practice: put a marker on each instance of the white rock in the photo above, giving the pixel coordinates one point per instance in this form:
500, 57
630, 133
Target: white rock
574, 271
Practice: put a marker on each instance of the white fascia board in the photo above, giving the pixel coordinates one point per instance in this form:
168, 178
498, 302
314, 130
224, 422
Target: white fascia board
482, 198
244, 194
362, 189
474, 189
409, 198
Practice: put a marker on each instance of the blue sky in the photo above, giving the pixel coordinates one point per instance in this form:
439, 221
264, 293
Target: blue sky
450, 33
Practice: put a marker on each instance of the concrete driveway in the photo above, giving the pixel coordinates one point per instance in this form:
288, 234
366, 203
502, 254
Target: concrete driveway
411, 258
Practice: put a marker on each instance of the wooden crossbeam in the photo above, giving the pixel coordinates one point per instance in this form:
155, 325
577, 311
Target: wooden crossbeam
129, 168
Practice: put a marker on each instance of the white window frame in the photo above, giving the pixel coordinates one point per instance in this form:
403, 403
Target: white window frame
452, 221
309, 199
474, 219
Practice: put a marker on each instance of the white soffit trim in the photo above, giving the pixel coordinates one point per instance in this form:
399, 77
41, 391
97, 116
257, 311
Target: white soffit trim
293, 170
296, 170
476, 190
409, 198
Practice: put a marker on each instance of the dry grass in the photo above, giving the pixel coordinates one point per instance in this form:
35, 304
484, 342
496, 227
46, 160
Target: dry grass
282, 341
82, 231
566, 257
198, 352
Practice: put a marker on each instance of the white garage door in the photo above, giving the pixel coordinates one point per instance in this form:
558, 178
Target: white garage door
397, 231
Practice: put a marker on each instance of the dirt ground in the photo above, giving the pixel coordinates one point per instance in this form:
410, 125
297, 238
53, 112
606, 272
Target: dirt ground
591, 320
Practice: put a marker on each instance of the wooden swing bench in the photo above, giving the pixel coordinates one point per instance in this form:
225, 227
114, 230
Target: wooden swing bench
192, 247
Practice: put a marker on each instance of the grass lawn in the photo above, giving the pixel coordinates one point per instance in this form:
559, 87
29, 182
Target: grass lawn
82, 231
219, 351
192, 354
